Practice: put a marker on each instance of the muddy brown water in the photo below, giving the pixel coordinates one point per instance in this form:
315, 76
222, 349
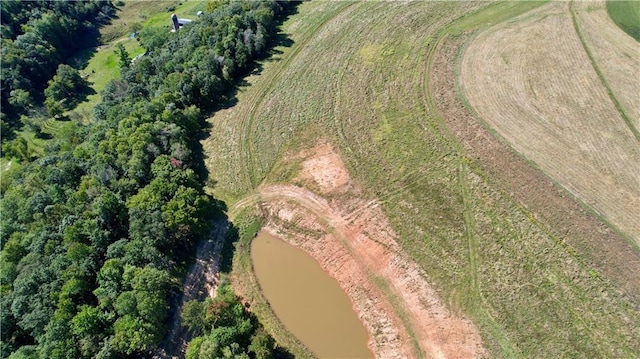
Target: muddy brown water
308, 301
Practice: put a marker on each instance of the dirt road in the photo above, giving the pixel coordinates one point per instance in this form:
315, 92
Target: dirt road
200, 283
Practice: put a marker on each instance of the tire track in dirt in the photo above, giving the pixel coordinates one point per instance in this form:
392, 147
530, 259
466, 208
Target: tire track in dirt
470, 228
438, 124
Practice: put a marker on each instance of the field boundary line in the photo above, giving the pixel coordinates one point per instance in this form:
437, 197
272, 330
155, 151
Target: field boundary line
603, 80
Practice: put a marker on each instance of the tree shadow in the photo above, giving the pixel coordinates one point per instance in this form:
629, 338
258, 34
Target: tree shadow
230, 97
80, 60
84, 92
282, 353
43, 135
228, 249
281, 40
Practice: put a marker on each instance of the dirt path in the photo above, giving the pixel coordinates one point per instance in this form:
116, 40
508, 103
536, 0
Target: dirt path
353, 241
200, 283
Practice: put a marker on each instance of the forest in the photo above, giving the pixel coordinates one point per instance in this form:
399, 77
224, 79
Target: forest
99, 231
39, 38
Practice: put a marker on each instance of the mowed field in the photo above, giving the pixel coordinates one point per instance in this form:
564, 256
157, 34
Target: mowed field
564, 92
614, 55
377, 81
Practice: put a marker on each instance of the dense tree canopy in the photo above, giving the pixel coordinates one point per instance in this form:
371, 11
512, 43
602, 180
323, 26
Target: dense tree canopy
64, 91
38, 36
225, 329
96, 233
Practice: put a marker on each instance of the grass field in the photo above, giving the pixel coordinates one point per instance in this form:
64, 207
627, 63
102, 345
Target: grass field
359, 75
614, 56
136, 13
104, 66
557, 109
626, 14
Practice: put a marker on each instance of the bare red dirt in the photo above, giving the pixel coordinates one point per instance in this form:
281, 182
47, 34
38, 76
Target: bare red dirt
353, 241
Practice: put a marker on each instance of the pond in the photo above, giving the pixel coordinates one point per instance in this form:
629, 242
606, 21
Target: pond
308, 301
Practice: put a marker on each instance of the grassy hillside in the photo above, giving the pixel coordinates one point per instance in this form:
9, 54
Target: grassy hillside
359, 75
626, 14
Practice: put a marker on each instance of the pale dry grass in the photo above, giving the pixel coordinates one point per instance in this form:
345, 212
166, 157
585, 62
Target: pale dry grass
616, 54
532, 81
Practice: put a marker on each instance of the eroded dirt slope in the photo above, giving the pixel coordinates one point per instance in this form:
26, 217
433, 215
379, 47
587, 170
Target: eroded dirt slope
352, 240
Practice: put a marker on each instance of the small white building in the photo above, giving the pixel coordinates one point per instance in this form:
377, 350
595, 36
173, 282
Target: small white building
176, 23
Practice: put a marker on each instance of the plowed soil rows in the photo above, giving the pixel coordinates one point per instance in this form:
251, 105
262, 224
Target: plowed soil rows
533, 82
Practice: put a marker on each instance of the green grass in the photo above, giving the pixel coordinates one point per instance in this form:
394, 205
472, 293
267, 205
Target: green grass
364, 85
148, 13
492, 15
188, 10
626, 14
103, 64
134, 13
